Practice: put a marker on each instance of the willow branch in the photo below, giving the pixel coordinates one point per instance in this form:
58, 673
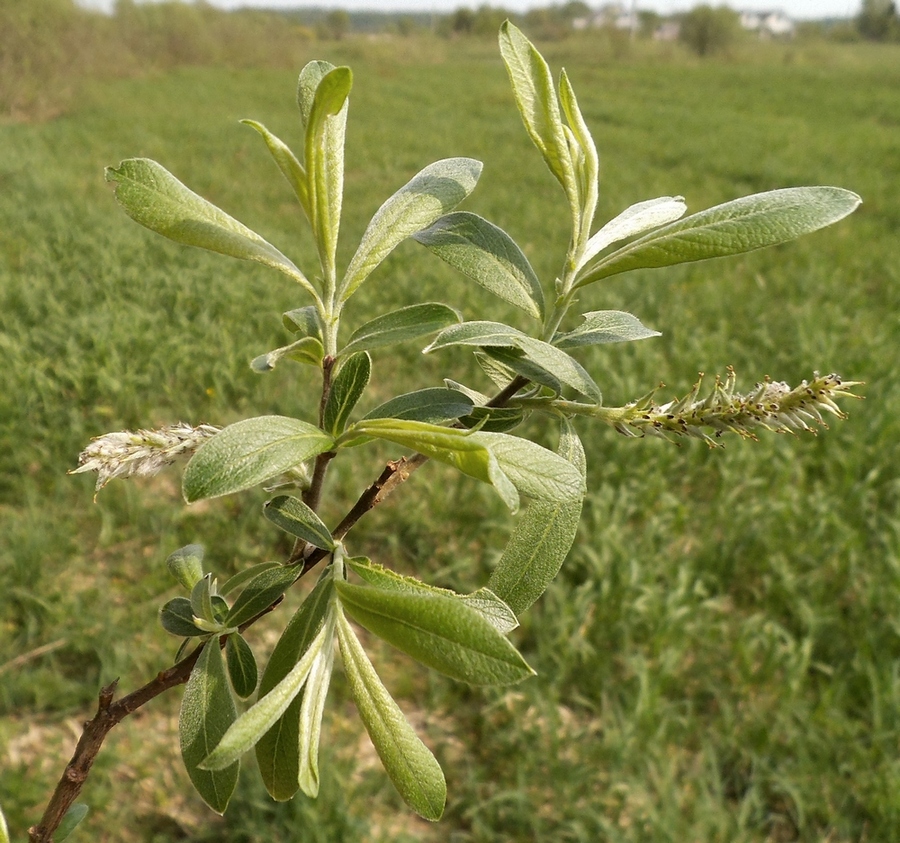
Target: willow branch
110, 713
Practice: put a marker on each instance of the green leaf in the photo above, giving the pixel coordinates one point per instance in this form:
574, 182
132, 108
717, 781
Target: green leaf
152, 196
244, 733
533, 90
743, 225
434, 405
480, 333
186, 565
560, 365
494, 419
541, 540
177, 617
407, 323
497, 419
250, 452
605, 326
381, 577
324, 158
260, 593
241, 665
287, 162
346, 390
307, 350
434, 191
408, 762
4, 829
278, 751
506, 462
303, 321
307, 84
499, 373
546, 357
241, 578
587, 164
438, 630
296, 518
534, 470
311, 711
483, 601
207, 712
635, 220
487, 255
497, 613
201, 599
70, 821
515, 361
448, 445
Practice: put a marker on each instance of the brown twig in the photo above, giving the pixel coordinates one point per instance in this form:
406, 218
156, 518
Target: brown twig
313, 494
500, 399
110, 714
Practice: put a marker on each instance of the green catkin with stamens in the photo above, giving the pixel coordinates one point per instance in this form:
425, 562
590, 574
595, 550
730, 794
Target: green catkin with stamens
770, 405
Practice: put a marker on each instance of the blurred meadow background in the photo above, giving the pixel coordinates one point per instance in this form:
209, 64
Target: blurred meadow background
719, 659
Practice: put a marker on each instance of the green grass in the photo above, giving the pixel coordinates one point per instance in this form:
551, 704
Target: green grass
720, 657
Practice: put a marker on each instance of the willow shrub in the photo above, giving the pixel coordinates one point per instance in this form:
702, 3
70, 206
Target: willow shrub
534, 373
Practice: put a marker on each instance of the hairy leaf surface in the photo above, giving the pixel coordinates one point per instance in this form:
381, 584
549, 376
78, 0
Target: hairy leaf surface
487, 255
278, 751
541, 540
308, 350
324, 158
260, 593
435, 191
207, 712
241, 665
177, 617
547, 358
346, 390
407, 323
296, 518
311, 710
244, 732
69, 823
433, 405
186, 565
448, 445
533, 90
249, 452
152, 196
240, 579
287, 162
743, 225
634, 220
408, 762
605, 326
437, 630
587, 163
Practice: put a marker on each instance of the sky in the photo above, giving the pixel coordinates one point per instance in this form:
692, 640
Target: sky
798, 9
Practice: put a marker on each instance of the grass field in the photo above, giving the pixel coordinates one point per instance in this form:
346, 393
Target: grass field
719, 659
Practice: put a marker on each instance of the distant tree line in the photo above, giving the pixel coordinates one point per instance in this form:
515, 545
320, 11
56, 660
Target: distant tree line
48, 47
878, 21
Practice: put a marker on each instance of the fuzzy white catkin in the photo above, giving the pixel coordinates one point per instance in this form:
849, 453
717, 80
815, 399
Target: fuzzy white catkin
140, 453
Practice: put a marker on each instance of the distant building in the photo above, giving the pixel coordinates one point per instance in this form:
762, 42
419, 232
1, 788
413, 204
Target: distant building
614, 15
768, 24
668, 30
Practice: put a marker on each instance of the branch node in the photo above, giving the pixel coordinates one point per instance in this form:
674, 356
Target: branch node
73, 774
106, 695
